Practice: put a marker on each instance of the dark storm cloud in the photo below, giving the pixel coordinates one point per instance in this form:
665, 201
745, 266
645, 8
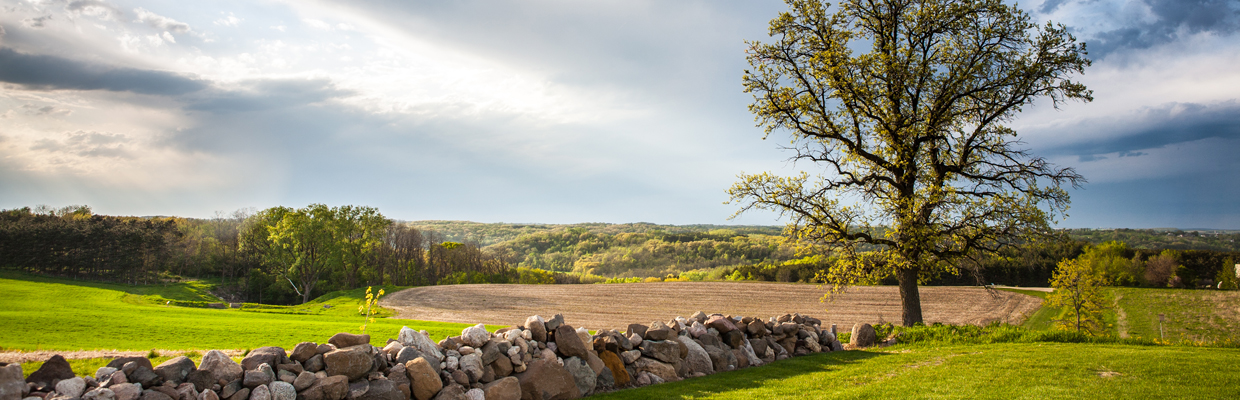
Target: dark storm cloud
1157, 127
1172, 19
45, 72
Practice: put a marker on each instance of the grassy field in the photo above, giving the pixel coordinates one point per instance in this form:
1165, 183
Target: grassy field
1191, 315
42, 313
990, 371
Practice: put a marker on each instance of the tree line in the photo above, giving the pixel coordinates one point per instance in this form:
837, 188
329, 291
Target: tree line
277, 255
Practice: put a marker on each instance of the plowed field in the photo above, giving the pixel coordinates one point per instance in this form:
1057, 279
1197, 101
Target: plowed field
617, 305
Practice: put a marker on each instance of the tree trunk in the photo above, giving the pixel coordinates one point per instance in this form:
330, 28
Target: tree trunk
910, 299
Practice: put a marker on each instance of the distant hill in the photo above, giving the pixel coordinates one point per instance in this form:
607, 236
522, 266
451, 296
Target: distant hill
1163, 238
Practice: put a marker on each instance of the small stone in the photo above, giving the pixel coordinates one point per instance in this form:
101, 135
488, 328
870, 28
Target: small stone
144, 376
699, 317
314, 364
554, 322
303, 351
120, 362
175, 370
242, 394
358, 388
201, 379
269, 355
208, 395
156, 395
636, 329
568, 344
104, 373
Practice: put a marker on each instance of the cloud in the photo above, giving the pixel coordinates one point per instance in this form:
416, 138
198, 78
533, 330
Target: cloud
160, 22
1140, 24
230, 20
46, 72
94, 8
1153, 127
266, 95
87, 144
37, 22
31, 109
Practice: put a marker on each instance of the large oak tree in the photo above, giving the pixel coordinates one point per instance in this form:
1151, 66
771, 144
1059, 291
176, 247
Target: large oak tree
920, 168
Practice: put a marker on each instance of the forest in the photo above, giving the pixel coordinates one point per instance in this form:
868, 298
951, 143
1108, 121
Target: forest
283, 255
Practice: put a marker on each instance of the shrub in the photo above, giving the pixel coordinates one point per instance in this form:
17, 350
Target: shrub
1160, 269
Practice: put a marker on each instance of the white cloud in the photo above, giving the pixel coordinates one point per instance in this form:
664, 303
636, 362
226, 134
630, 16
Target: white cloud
160, 22
317, 24
230, 20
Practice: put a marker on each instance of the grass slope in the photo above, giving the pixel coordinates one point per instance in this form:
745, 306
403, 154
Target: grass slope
991, 371
42, 313
1191, 315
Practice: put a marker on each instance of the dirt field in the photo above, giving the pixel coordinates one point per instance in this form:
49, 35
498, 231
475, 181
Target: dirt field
617, 305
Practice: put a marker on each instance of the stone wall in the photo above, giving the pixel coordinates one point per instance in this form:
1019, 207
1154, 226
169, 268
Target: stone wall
543, 359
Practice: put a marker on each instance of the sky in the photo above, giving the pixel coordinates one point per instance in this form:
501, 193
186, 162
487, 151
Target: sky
538, 111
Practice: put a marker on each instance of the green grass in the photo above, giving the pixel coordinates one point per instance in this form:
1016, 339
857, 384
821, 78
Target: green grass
991, 371
42, 313
1191, 315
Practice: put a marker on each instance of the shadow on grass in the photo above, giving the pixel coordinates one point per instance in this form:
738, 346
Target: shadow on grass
749, 378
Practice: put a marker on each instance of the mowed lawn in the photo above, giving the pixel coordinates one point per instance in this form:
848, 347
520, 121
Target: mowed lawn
40, 313
990, 371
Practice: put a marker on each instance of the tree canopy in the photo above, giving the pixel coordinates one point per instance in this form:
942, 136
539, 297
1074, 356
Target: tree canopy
912, 134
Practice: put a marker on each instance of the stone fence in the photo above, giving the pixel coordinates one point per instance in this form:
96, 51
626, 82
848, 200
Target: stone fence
544, 359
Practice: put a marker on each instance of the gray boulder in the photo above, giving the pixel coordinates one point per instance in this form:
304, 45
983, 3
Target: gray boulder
475, 336
663, 350
260, 392
126, 391
697, 359
11, 382
583, 375
99, 394
863, 335
282, 391
221, 366
73, 387
175, 370
351, 362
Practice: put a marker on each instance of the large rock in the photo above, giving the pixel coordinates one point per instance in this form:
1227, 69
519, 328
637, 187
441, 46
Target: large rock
100, 394
125, 391
264, 355
508, 388
304, 380
381, 389
719, 358
616, 366
423, 343
554, 322
145, 376
582, 374
734, 339
11, 382
260, 392
720, 323
345, 339
157, 395
567, 343
201, 378
636, 329
350, 362
697, 360
756, 328
654, 367
659, 331
407, 354
175, 370
537, 328
73, 387
54, 369
663, 350
329, 388
303, 351
282, 391
863, 335
475, 336
425, 382
548, 380
452, 392
258, 377
471, 365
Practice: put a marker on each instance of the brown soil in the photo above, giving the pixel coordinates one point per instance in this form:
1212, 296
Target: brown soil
617, 305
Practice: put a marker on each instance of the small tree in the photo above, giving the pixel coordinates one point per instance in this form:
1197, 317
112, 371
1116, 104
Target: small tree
1160, 269
1078, 288
1227, 276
